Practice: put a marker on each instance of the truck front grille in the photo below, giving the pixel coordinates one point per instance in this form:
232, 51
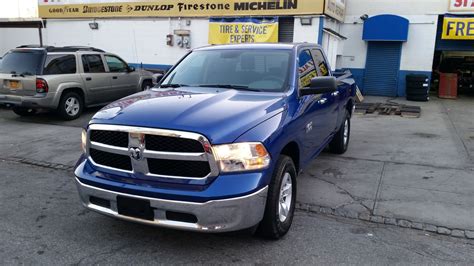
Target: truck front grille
178, 168
163, 143
114, 138
111, 159
155, 153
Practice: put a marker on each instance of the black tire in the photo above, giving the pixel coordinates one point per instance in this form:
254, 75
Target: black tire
23, 111
272, 226
418, 98
415, 85
418, 92
147, 84
339, 143
63, 110
417, 78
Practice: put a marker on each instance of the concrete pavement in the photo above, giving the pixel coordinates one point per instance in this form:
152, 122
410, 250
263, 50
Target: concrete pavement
416, 170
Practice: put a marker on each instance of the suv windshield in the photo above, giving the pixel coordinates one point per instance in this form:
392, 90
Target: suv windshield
254, 70
27, 62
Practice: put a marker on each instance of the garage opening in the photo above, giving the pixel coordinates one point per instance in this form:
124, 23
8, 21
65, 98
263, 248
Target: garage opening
286, 27
453, 63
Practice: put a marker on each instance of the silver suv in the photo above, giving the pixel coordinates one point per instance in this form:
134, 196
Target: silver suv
66, 79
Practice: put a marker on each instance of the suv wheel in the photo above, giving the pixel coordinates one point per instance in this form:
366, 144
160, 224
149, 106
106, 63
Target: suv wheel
70, 106
281, 200
146, 85
22, 111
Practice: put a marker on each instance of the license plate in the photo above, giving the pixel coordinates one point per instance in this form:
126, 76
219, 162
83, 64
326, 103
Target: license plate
14, 84
136, 208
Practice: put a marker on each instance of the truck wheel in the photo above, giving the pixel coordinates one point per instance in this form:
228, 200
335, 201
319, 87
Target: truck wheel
70, 106
22, 111
146, 85
340, 142
280, 206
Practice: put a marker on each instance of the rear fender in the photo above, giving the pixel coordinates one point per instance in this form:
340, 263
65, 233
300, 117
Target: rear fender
69, 85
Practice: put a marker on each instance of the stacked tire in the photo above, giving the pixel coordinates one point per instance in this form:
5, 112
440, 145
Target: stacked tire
417, 87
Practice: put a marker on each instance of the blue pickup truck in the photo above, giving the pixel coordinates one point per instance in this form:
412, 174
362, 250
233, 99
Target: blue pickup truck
218, 144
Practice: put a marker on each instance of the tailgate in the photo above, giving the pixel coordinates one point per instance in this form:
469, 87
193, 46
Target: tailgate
17, 85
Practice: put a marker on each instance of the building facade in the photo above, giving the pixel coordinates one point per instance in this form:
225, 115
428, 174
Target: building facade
380, 41
387, 40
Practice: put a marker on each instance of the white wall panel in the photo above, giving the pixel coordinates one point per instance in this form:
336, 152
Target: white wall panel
355, 49
309, 33
11, 38
418, 51
136, 40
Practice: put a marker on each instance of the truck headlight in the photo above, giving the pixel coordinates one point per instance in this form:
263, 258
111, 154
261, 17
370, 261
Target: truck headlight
238, 157
84, 140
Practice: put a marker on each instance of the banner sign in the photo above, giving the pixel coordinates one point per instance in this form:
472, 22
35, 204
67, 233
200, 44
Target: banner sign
176, 8
458, 28
335, 9
243, 30
461, 5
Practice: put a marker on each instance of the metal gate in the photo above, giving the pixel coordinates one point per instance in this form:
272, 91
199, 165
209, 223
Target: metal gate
382, 68
286, 29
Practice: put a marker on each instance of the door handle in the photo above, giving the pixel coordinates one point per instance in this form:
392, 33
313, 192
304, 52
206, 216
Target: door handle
336, 93
88, 79
114, 77
322, 101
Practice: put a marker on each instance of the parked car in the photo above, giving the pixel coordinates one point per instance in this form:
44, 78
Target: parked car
218, 145
66, 79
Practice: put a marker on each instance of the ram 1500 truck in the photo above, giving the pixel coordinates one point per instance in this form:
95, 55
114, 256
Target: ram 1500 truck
218, 144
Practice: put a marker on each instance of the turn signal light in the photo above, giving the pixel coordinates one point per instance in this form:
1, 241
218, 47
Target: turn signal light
41, 86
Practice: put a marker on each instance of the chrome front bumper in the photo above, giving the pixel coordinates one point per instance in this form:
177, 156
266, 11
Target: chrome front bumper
213, 216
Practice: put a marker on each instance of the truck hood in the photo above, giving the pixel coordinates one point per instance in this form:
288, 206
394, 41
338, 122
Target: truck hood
222, 115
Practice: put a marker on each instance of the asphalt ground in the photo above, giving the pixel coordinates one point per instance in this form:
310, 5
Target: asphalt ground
43, 223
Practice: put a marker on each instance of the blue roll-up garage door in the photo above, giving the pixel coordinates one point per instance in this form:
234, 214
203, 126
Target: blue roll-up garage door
382, 68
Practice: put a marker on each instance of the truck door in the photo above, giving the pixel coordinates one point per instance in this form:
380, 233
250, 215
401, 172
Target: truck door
314, 110
332, 102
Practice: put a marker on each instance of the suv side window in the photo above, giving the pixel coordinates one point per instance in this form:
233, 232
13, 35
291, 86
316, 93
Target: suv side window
321, 64
93, 63
116, 64
306, 69
59, 64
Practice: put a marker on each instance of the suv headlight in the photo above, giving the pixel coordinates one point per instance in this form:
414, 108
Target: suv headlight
84, 140
238, 157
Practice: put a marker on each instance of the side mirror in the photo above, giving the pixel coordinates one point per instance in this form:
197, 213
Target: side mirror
156, 78
320, 85
131, 69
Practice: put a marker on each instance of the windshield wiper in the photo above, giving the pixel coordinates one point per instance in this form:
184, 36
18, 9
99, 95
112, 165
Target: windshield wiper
172, 85
230, 86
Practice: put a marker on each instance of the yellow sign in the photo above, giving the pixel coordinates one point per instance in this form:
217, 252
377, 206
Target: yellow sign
455, 28
244, 30
177, 8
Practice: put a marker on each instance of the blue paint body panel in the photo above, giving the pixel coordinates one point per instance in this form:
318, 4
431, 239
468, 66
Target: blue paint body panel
386, 28
225, 116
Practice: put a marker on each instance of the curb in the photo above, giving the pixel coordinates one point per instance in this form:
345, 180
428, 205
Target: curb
378, 219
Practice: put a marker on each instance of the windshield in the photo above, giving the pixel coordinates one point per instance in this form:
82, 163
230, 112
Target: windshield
22, 62
256, 70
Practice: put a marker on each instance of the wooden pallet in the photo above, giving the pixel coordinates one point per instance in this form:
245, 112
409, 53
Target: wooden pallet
388, 109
